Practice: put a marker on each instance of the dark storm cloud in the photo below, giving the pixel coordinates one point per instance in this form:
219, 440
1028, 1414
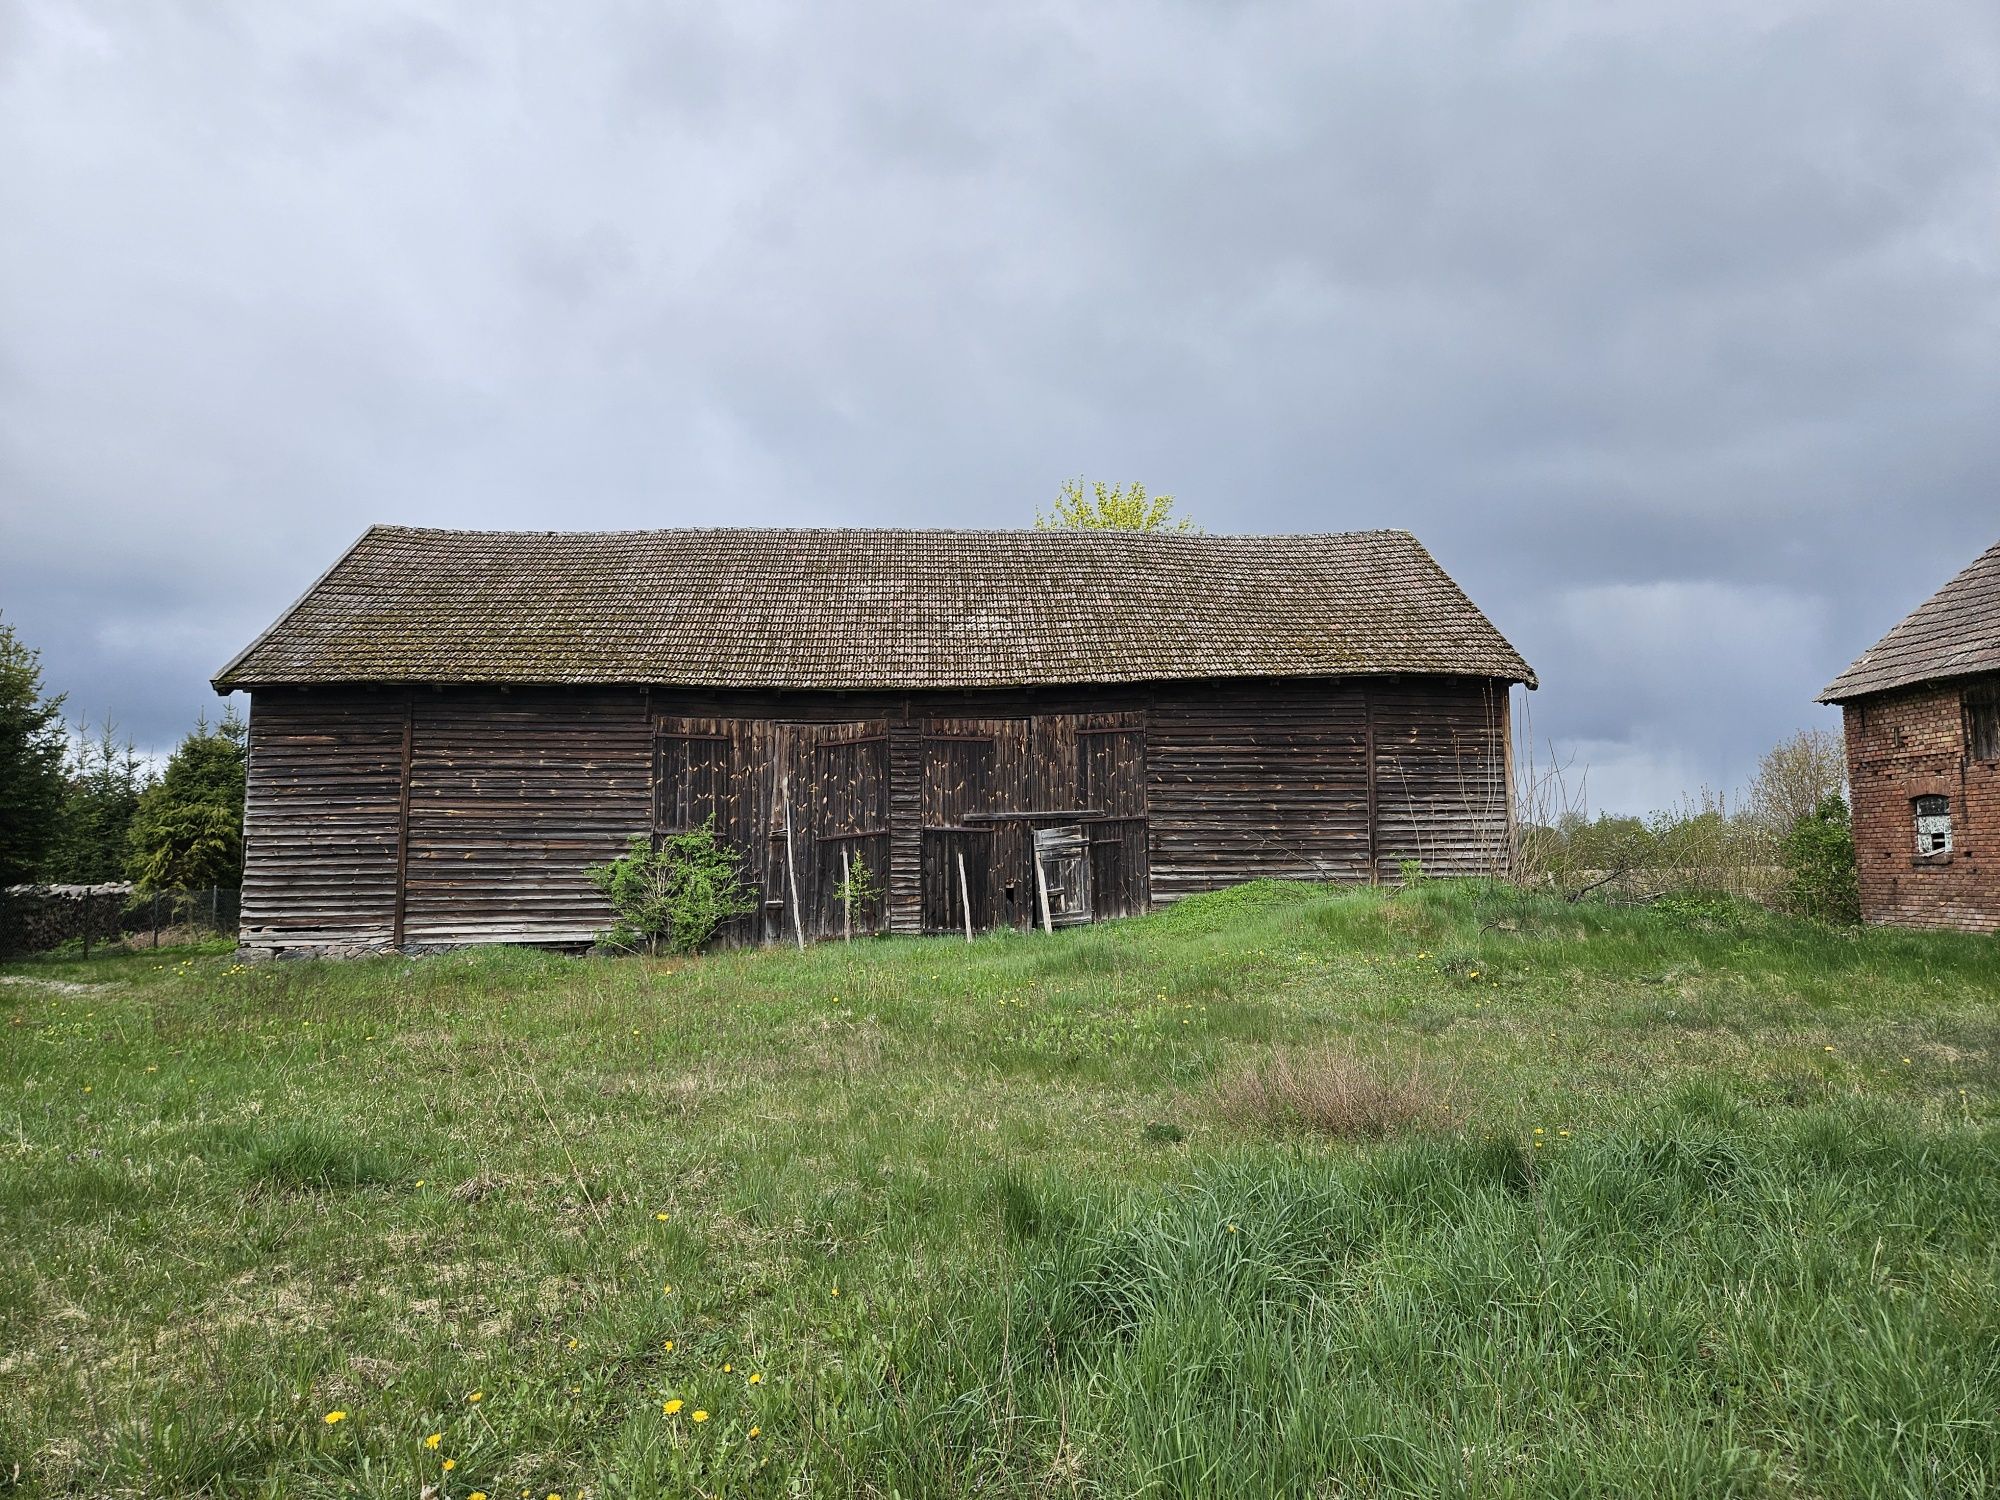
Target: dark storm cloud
1670, 328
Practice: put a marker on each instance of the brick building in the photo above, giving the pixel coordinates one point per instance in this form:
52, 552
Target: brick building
1922, 709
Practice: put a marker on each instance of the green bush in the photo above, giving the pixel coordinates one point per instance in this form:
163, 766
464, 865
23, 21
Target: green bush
1818, 856
674, 897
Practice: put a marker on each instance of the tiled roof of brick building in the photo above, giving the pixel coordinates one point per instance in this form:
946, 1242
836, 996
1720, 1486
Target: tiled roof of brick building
1954, 633
810, 609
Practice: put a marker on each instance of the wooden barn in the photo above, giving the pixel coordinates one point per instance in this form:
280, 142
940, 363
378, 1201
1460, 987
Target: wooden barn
1005, 727
1922, 711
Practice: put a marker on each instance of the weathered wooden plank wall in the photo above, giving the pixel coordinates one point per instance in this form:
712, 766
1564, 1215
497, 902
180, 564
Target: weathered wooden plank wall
321, 819
1258, 783
493, 803
1443, 789
513, 795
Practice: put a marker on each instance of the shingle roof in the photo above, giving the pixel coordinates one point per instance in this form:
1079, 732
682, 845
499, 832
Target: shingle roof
880, 609
1954, 633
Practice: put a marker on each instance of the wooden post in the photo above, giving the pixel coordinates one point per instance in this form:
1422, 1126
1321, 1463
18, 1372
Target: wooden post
791, 867
400, 909
965, 895
846, 900
1042, 891
156, 919
1368, 754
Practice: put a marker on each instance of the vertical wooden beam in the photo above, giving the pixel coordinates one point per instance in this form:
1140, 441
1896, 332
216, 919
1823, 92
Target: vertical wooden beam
906, 825
403, 818
1368, 755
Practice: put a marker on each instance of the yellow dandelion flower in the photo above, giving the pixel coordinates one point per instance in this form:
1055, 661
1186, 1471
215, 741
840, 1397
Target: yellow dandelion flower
1826, 1049
668, 1289
1906, 1059
671, 1407
334, 1416
661, 1217
420, 1182
701, 1416
1538, 1130
756, 1379
836, 1291
1473, 975
753, 1432
729, 1369
668, 1346
477, 1396
1232, 1229
572, 1343
476, 1495
448, 1465
433, 1440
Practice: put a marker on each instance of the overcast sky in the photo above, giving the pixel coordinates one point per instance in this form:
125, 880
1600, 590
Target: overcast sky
1672, 327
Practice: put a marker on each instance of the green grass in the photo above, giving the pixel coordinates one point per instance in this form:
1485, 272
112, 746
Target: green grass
1704, 1202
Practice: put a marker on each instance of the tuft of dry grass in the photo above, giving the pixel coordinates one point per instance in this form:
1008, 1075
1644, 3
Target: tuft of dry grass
1333, 1093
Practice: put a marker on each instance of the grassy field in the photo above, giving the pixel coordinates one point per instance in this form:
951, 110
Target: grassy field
1283, 1192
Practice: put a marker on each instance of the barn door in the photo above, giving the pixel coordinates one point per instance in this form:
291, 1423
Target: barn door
1062, 855
829, 815
712, 769
973, 771
849, 814
1111, 781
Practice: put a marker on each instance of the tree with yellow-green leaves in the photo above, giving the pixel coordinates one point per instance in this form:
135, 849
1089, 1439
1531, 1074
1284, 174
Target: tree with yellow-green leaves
1112, 507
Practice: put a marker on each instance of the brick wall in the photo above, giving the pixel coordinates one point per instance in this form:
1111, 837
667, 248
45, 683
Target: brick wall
1904, 745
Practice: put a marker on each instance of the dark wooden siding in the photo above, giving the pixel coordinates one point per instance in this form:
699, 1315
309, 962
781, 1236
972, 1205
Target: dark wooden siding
1442, 787
1251, 783
512, 797
322, 819
506, 798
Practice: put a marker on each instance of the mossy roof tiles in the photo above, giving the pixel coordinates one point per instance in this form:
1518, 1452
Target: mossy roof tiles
825, 609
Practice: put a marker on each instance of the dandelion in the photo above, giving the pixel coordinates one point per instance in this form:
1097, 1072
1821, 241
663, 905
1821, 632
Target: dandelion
334, 1416
1538, 1130
661, 1217
1473, 975
476, 1495
753, 1432
433, 1440
420, 1182
668, 1289
668, 1346
1828, 1049
448, 1465
477, 1396
1906, 1062
701, 1416
572, 1343
671, 1408
1232, 1229
756, 1380
729, 1369
836, 1290
1562, 1132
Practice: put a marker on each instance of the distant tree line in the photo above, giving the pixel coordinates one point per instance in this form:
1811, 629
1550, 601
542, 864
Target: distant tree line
1788, 842
77, 805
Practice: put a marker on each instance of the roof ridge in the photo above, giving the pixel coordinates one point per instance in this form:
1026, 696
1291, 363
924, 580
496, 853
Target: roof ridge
1109, 533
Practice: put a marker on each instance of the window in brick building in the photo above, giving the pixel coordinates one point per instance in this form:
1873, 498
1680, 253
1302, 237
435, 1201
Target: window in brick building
1933, 825
1982, 722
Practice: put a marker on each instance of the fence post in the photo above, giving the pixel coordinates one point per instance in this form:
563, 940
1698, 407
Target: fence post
156, 919
86, 924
